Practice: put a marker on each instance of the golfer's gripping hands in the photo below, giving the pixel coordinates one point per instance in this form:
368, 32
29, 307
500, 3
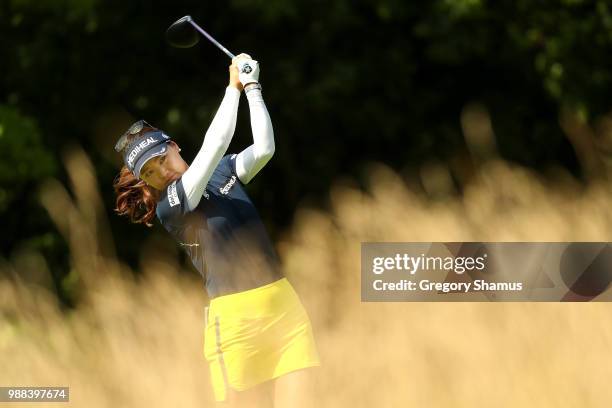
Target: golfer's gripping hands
248, 69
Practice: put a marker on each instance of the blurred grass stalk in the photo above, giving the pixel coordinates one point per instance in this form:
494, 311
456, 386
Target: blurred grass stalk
135, 344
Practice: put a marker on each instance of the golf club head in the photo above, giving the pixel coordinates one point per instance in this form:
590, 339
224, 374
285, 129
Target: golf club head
182, 34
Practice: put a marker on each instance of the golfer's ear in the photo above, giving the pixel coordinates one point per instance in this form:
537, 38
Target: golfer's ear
172, 142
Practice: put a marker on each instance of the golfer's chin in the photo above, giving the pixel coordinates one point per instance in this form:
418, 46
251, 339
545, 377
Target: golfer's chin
171, 179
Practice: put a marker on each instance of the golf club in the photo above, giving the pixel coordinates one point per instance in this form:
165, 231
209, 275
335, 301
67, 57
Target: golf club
182, 34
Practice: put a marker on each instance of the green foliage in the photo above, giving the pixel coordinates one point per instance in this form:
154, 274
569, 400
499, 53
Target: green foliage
346, 82
24, 158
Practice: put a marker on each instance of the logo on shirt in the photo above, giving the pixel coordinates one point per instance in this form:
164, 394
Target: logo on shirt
173, 198
226, 188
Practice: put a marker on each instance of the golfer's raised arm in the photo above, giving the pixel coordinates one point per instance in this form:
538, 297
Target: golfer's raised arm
216, 141
252, 159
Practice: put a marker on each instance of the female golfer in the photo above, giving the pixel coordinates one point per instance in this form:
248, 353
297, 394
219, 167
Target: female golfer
256, 327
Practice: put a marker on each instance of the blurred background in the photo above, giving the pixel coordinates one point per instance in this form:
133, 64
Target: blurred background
444, 120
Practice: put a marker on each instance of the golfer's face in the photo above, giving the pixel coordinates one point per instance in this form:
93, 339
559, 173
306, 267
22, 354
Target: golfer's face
162, 170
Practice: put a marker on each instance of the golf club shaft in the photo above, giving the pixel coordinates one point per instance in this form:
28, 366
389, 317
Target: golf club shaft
205, 34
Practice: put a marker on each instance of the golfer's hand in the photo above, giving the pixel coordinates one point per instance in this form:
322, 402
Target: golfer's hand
234, 79
248, 69
237, 64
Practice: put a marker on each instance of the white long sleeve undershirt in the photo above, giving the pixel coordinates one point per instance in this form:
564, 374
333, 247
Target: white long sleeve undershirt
218, 137
252, 159
216, 141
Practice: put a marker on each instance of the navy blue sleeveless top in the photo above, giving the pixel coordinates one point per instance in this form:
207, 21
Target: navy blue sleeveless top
224, 235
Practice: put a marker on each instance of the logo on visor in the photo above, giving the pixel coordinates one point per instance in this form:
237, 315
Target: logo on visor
138, 148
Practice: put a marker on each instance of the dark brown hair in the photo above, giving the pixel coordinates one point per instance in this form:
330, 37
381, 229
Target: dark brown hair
135, 199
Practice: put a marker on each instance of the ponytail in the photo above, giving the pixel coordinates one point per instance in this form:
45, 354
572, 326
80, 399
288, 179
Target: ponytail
135, 198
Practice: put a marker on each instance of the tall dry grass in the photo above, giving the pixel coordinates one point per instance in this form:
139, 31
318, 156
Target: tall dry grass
139, 343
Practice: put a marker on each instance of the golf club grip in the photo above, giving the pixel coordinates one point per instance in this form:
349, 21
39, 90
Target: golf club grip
205, 34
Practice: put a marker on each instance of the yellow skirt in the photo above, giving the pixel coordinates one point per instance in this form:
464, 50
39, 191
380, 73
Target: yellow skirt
255, 336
